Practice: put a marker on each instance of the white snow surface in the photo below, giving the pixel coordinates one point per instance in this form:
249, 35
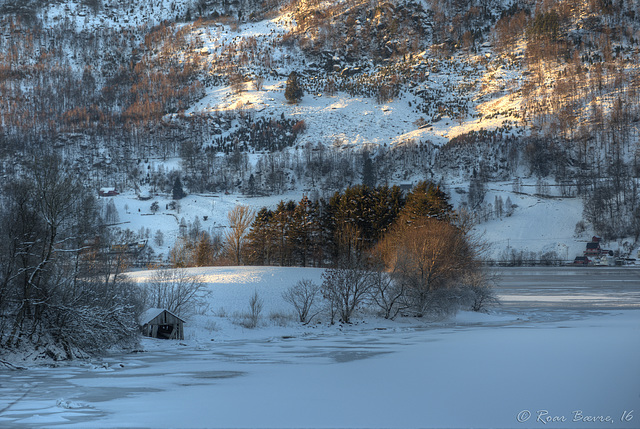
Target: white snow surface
539, 224
506, 369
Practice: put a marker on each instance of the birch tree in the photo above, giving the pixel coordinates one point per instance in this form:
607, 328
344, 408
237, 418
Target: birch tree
240, 219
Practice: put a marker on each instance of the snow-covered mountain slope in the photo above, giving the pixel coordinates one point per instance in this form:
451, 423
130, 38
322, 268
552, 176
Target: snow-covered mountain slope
140, 92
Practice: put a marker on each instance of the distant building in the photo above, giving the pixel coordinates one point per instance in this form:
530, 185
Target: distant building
593, 249
108, 192
161, 323
581, 260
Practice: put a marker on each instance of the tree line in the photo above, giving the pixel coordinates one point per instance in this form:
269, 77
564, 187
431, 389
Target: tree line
403, 253
320, 232
323, 232
409, 255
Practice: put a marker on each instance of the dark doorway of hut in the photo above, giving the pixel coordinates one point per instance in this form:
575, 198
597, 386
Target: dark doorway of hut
165, 331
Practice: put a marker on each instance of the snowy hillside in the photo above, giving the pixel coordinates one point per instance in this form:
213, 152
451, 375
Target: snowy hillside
417, 145
132, 94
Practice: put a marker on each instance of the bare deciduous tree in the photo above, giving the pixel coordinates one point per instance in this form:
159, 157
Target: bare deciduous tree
480, 285
387, 293
347, 288
175, 290
303, 296
59, 291
240, 219
425, 256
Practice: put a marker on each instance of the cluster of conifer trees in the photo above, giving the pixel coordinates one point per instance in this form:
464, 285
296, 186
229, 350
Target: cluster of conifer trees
409, 254
325, 232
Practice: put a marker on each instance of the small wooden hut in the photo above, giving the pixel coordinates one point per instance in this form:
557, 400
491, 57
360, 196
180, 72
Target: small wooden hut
161, 323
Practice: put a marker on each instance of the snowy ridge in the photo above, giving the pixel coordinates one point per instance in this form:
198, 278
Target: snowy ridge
242, 53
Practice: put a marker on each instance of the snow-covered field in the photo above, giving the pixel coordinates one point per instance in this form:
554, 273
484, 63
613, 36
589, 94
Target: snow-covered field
538, 224
562, 360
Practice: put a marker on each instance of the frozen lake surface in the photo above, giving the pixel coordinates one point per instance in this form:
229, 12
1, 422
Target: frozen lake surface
562, 350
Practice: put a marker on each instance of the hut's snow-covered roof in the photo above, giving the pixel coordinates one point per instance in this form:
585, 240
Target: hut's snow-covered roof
149, 315
152, 313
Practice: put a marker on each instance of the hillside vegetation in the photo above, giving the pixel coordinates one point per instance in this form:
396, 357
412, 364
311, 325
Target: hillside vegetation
472, 91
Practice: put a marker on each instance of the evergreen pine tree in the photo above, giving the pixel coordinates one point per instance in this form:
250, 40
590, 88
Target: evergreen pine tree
282, 218
303, 231
260, 239
427, 200
387, 204
368, 174
293, 93
177, 192
251, 187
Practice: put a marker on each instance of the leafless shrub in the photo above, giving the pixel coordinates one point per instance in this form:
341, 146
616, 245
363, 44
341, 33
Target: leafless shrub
176, 290
387, 294
255, 309
442, 303
279, 318
420, 122
303, 296
481, 292
346, 288
299, 127
250, 318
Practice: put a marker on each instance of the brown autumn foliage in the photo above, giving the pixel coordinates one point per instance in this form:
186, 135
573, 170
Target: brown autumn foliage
427, 255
